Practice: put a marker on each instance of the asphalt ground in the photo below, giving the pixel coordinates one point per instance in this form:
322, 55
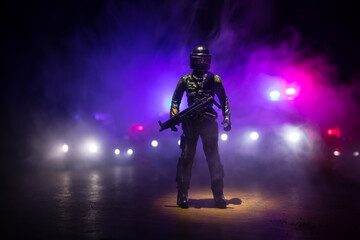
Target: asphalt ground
265, 200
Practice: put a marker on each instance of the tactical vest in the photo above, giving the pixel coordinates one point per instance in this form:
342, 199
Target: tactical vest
197, 88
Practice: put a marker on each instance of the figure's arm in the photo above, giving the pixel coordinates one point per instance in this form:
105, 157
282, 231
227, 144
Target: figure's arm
220, 92
177, 96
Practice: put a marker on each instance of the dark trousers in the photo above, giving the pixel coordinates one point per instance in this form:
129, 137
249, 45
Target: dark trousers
208, 131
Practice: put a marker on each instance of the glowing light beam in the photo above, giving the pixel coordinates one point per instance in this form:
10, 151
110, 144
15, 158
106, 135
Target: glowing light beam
290, 91
130, 151
140, 128
224, 137
65, 148
154, 143
254, 136
274, 95
293, 137
117, 151
337, 153
93, 148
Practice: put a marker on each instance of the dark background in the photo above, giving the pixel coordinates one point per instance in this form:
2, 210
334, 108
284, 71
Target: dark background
64, 58
33, 30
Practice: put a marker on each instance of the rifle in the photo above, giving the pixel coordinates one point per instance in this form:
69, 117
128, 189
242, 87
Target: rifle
191, 112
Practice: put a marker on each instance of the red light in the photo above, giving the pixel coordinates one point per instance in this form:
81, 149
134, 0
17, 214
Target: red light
337, 149
140, 128
334, 131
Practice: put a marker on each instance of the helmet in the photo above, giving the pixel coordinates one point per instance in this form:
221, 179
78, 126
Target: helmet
200, 58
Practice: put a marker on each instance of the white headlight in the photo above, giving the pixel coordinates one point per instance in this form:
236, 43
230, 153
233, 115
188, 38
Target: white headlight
93, 148
117, 151
336, 153
224, 137
130, 151
254, 136
293, 137
65, 148
356, 154
154, 143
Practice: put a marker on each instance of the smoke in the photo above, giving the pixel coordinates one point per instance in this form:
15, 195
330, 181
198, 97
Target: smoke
126, 65
321, 99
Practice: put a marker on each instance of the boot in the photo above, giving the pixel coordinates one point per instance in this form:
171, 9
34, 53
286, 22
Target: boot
217, 189
182, 199
219, 200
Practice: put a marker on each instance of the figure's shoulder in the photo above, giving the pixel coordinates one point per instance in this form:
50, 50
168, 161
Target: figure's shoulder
217, 79
186, 77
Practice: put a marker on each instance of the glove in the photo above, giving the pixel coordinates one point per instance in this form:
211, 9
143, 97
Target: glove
226, 121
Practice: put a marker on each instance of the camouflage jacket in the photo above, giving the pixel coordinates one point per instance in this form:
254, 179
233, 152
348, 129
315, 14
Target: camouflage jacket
197, 88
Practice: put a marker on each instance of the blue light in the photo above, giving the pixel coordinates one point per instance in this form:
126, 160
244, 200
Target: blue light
274, 95
100, 116
76, 117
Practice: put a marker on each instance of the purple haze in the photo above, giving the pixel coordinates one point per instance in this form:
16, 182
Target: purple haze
128, 64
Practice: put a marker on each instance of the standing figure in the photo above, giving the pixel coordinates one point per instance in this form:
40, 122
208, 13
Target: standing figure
198, 84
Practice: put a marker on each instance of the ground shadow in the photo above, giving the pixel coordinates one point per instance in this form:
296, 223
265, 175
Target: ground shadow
209, 203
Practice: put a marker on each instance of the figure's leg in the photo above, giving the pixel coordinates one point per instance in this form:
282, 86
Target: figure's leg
209, 137
184, 167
